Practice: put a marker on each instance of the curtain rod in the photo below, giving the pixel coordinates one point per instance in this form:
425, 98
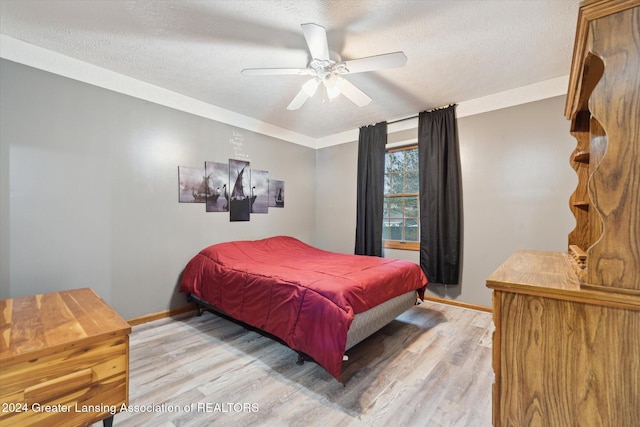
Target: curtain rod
416, 115
402, 119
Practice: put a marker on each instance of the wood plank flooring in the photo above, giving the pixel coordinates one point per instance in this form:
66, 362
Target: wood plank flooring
431, 366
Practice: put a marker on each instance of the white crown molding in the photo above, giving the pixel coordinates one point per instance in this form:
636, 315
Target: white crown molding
509, 98
47, 60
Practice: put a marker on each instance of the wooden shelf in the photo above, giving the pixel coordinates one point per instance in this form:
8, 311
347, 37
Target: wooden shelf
581, 156
581, 204
576, 312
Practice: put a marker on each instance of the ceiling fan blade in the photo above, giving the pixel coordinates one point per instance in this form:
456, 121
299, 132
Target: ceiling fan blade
307, 91
354, 94
316, 37
377, 62
275, 71
298, 100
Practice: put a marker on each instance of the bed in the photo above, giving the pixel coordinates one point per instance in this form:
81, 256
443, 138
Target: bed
319, 303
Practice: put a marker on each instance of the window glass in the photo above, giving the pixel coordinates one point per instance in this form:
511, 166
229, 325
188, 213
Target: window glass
401, 225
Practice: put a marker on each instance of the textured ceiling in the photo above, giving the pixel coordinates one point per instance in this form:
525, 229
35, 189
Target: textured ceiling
457, 50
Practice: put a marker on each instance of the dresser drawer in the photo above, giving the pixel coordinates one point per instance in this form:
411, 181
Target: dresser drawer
88, 382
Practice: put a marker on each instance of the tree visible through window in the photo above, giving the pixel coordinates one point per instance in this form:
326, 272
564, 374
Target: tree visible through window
401, 223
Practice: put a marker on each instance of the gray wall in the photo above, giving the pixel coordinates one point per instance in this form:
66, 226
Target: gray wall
89, 191
89, 188
516, 185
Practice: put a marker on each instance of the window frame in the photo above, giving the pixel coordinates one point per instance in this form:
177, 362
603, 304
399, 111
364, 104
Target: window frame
402, 244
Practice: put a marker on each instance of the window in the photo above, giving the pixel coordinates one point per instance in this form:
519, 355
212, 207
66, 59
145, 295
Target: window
401, 223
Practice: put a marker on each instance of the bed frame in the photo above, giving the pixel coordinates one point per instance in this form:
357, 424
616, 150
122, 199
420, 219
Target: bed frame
364, 324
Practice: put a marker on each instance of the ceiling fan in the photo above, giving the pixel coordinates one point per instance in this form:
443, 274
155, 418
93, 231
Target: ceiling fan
327, 68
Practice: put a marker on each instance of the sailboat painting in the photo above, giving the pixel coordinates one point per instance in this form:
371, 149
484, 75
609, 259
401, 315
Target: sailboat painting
218, 173
239, 195
259, 191
230, 187
276, 193
193, 185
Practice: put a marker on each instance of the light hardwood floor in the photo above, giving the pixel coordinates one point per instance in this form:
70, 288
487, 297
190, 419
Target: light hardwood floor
429, 367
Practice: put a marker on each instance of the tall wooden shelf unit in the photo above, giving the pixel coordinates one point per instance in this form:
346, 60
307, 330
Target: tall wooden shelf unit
566, 350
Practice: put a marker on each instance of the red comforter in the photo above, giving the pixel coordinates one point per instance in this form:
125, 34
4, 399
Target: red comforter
305, 296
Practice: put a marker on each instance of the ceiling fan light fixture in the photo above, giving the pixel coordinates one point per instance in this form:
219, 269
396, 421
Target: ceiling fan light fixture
327, 67
329, 80
332, 91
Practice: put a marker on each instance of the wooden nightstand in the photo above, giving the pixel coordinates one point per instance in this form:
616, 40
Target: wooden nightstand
64, 360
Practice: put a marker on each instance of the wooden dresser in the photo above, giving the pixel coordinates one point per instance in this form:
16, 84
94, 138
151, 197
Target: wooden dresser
64, 360
566, 349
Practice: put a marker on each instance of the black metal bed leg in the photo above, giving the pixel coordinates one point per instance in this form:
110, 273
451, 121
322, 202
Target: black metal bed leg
300, 360
108, 422
199, 310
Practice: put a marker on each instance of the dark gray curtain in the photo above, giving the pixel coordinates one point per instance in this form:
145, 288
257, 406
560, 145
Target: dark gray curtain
370, 189
440, 195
